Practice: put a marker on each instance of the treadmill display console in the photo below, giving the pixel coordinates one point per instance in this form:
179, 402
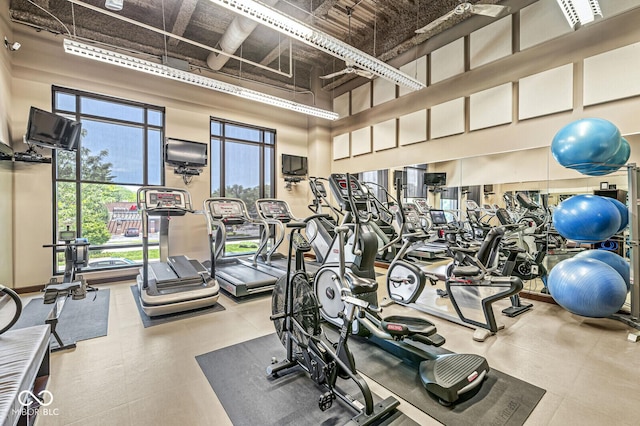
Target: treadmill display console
225, 209
165, 200
274, 209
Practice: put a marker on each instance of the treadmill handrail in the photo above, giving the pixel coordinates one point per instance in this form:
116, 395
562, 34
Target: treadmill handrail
216, 223
264, 240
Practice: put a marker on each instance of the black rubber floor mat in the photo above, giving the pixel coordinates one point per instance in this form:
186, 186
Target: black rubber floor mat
238, 376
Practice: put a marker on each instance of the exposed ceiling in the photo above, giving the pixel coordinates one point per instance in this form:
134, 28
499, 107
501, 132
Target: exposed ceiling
381, 28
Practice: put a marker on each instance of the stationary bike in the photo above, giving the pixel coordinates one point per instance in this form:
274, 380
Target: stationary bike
76, 256
296, 317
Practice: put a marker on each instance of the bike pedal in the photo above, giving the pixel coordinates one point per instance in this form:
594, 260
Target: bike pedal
326, 400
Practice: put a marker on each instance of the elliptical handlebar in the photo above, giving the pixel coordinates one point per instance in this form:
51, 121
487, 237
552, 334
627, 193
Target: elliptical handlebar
357, 217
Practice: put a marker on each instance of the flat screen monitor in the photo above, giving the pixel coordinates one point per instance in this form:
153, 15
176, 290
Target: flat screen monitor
178, 152
293, 165
49, 130
438, 217
435, 179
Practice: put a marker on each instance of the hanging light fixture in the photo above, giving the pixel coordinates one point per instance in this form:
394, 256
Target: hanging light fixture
114, 58
114, 4
580, 12
300, 31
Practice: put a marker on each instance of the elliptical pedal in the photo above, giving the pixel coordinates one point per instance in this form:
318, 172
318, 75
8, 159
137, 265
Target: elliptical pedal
326, 400
451, 375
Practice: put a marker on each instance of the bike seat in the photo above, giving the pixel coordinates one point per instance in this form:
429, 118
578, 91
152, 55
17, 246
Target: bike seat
359, 285
402, 326
466, 271
52, 291
62, 287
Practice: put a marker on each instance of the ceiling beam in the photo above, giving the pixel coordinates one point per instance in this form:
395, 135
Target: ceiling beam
187, 7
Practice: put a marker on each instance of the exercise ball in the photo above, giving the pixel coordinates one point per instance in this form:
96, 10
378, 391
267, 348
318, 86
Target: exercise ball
587, 287
613, 164
612, 259
586, 141
586, 218
624, 213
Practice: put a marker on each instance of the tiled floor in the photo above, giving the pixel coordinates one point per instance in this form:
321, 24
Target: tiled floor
138, 376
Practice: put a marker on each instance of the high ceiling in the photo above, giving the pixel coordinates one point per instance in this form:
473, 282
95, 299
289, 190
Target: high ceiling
381, 28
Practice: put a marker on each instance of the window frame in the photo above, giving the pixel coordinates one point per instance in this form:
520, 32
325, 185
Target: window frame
78, 181
222, 139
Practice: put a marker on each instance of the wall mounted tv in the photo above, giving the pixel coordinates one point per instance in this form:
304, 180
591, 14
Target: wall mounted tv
181, 153
435, 179
293, 165
49, 130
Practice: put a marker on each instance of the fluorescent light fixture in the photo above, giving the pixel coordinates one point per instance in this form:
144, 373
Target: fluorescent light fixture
580, 12
114, 4
115, 58
300, 31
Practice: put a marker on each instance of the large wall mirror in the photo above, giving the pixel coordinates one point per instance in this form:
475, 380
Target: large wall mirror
495, 181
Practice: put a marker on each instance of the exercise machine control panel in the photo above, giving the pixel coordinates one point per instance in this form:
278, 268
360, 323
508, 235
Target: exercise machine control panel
165, 200
411, 217
274, 210
318, 188
422, 205
438, 218
338, 184
230, 211
162, 201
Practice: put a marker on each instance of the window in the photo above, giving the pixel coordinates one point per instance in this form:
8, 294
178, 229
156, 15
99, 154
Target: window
415, 181
378, 182
449, 198
95, 188
244, 155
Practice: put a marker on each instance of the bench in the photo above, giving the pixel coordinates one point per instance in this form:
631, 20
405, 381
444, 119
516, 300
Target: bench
24, 366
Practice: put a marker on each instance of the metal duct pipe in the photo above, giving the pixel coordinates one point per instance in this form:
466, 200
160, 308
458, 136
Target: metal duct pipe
237, 32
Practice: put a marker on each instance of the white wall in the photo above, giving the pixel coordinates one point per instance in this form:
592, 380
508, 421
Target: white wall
6, 167
515, 135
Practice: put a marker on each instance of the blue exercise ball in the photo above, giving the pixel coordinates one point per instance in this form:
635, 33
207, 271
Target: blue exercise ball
587, 287
624, 213
613, 164
586, 141
586, 218
612, 259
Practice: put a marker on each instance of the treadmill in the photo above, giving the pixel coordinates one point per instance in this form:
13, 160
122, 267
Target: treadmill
237, 276
175, 283
276, 213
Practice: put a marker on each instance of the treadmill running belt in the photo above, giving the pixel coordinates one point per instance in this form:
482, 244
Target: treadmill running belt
182, 267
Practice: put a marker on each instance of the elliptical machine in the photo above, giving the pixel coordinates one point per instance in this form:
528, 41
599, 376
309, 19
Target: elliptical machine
296, 317
76, 256
446, 376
